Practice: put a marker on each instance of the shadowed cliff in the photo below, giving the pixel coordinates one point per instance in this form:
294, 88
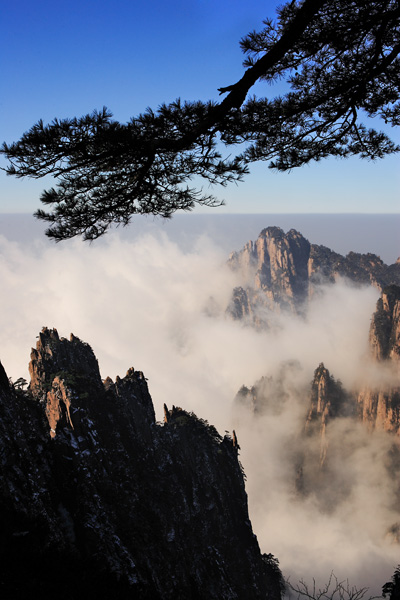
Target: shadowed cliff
99, 496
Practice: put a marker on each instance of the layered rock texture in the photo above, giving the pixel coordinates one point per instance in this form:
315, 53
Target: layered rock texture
98, 500
280, 271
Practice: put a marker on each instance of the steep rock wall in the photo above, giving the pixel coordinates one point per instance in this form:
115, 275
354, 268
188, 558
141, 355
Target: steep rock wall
280, 271
99, 496
379, 406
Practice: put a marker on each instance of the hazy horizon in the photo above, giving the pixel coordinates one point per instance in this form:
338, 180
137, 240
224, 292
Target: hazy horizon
342, 232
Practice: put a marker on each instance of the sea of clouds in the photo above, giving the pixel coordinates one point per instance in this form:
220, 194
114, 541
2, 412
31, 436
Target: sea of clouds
150, 304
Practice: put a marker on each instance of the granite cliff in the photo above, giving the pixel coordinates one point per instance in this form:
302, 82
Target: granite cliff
97, 499
281, 271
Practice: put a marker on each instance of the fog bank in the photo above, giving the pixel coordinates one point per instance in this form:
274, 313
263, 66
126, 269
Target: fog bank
149, 304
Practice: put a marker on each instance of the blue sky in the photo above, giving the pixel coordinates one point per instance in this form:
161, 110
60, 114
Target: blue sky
62, 59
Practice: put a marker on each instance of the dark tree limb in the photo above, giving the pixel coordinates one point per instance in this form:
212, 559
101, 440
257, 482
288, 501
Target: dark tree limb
339, 59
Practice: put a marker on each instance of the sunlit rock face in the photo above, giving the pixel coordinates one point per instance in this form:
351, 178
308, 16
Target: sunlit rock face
375, 405
275, 270
98, 500
380, 405
333, 422
281, 271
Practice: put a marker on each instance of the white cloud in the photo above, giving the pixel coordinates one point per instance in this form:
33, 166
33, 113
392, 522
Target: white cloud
149, 305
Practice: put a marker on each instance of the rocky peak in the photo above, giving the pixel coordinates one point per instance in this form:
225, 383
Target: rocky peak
65, 377
328, 399
54, 355
177, 417
281, 271
320, 398
277, 262
112, 502
314, 445
283, 262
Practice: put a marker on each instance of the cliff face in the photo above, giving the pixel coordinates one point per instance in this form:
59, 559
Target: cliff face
385, 326
96, 494
328, 400
280, 271
314, 444
377, 407
332, 417
380, 406
326, 442
275, 267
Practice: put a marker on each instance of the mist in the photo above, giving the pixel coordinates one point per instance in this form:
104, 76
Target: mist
149, 304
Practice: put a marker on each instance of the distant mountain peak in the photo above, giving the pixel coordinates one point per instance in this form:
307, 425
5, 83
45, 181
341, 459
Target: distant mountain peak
281, 271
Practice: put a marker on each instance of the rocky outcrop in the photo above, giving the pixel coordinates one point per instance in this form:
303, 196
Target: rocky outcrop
328, 400
318, 416
281, 271
275, 268
66, 358
335, 417
98, 500
385, 326
379, 405
380, 408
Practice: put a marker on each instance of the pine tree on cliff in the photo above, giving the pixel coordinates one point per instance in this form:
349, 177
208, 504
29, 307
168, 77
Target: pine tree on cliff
340, 61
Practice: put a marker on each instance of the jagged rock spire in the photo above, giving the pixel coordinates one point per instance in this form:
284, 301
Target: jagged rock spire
114, 502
